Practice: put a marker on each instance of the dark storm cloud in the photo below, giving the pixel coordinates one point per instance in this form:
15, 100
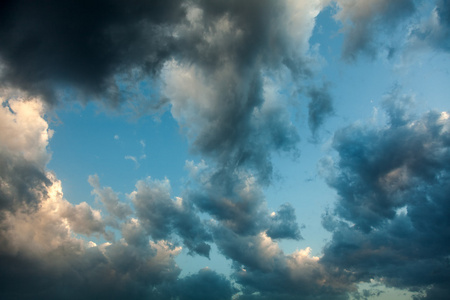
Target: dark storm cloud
320, 107
161, 216
392, 218
364, 21
79, 44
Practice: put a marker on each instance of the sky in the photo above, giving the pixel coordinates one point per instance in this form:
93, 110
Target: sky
199, 149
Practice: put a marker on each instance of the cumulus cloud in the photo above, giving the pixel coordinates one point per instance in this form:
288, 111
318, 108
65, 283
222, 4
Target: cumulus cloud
42, 249
265, 272
391, 221
284, 223
236, 200
23, 153
161, 216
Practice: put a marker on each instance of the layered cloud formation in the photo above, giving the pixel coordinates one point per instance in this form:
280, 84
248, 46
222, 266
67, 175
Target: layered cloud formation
226, 71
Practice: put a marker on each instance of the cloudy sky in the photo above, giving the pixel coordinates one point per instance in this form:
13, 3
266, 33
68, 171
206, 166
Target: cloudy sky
225, 149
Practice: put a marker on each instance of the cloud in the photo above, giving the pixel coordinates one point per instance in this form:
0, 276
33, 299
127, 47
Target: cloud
109, 199
365, 21
284, 224
23, 153
41, 251
435, 31
320, 106
206, 284
47, 47
391, 221
218, 88
236, 200
161, 216
265, 272
214, 59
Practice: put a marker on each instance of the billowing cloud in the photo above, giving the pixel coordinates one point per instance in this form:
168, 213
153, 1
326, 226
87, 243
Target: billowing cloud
265, 272
284, 223
218, 87
41, 254
391, 221
236, 200
161, 216
23, 153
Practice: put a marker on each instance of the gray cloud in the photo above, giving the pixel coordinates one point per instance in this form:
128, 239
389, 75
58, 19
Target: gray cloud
217, 86
236, 200
435, 31
320, 106
284, 224
265, 272
206, 284
22, 183
365, 21
161, 216
109, 199
82, 46
391, 221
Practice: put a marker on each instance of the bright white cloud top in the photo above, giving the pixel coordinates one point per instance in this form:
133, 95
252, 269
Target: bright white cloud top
224, 149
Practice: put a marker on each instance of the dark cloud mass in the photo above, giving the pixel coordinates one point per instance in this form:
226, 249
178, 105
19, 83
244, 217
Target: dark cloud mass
392, 218
52, 44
